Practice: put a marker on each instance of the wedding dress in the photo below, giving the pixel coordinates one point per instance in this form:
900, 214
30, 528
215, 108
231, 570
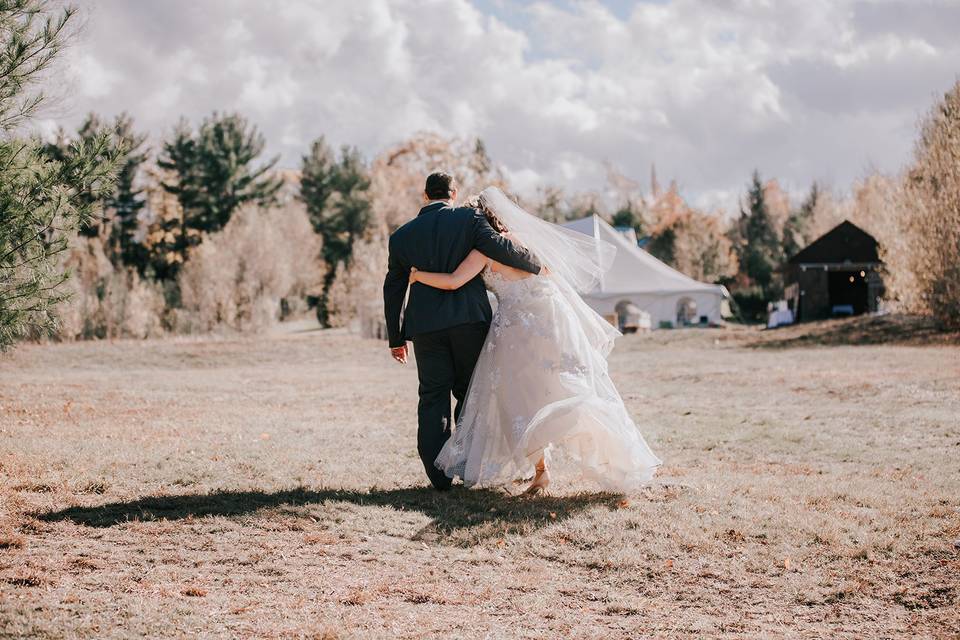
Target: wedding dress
541, 388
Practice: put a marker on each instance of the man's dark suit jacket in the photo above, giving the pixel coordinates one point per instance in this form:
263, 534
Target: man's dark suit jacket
438, 240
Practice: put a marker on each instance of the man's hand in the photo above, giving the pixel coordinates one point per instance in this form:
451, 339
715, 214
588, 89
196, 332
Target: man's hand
399, 354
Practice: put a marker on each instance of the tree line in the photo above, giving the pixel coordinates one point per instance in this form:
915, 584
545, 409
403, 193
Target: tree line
212, 170
103, 192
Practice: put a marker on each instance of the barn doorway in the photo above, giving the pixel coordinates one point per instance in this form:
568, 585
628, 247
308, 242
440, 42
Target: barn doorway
848, 292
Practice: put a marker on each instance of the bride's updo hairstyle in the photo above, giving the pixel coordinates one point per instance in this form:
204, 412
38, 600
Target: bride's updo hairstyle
478, 202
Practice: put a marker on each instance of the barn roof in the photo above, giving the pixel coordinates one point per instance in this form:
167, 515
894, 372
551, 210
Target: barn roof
846, 242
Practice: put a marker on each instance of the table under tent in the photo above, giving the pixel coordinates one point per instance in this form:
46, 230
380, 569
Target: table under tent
641, 292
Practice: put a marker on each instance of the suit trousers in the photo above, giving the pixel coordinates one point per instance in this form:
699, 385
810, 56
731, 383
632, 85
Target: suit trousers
445, 363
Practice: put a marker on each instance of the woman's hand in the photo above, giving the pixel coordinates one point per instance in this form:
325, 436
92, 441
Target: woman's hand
413, 275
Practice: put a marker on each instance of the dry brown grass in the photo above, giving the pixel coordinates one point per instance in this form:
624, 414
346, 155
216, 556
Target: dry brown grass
270, 488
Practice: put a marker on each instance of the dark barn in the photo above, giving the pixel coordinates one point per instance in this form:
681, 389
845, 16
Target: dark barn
838, 274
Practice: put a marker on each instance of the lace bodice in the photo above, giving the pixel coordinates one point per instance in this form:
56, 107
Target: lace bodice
509, 291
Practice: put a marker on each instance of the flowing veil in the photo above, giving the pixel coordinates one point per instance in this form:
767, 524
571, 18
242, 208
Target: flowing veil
577, 261
580, 260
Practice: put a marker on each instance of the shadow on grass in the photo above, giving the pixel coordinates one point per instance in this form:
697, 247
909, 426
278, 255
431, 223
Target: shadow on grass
894, 329
458, 510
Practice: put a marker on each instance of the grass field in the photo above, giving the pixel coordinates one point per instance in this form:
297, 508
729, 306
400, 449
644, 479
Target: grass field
269, 487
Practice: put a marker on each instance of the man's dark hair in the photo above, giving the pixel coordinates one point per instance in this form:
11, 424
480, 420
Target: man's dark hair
440, 185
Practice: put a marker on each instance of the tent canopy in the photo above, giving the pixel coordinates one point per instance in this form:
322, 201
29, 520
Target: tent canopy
638, 277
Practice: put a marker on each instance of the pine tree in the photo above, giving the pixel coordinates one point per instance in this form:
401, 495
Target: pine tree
349, 207
215, 174
315, 177
757, 242
115, 213
796, 229
43, 200
126, 200
62, 148
335, 192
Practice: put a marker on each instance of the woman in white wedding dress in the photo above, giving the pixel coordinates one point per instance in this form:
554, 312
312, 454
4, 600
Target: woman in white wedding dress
541, 385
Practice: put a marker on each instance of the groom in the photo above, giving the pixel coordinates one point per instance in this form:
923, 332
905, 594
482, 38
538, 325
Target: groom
447, 328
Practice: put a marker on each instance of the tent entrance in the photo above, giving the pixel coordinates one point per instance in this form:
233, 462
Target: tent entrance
686, 312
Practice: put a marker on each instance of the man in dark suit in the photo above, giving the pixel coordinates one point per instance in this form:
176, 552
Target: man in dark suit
448, 328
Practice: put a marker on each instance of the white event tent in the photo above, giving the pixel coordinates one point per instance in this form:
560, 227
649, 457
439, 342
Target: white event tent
638, 281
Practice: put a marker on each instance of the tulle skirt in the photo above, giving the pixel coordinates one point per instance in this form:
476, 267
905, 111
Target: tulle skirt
541, 388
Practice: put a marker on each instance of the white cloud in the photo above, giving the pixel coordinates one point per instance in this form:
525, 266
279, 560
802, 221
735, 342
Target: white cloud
802, 90
96, 80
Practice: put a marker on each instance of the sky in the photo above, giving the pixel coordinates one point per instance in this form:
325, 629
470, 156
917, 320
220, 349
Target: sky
802, 90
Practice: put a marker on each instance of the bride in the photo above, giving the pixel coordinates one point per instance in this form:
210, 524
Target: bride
541, 385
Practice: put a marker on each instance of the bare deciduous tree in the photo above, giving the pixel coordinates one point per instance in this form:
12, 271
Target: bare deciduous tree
933, 221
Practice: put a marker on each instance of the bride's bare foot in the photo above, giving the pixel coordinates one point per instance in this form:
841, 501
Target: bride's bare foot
540, 482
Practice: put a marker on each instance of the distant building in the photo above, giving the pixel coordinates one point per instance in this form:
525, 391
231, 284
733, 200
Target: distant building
838, 274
